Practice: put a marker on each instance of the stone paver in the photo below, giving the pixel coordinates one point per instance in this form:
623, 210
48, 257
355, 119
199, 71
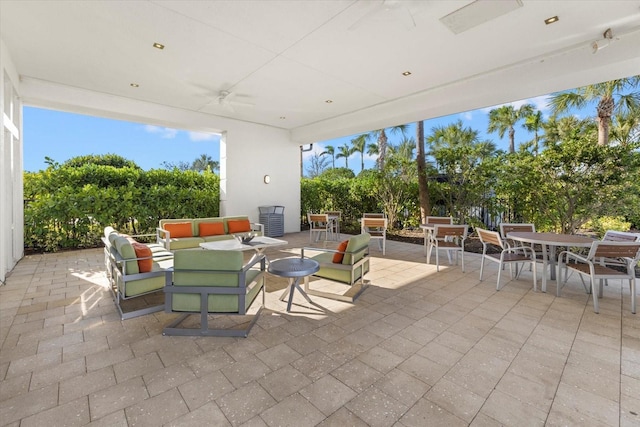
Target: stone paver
417, 348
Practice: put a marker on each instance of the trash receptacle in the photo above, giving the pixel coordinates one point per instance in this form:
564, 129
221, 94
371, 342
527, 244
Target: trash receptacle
272, 218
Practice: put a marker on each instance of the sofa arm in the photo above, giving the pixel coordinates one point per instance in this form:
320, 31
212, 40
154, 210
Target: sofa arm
163, 237
256, 226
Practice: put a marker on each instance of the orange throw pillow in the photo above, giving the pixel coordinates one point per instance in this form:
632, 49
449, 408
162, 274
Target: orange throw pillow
239, 226
179, 229
210, 229
337, 258
143, 251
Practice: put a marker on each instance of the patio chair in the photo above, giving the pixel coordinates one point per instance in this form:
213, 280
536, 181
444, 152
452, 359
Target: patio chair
377, 229
214, 282
506, 228
508, 255
345, 266
334, 219
617, 236
449, 238
628, 254
432, 220
318, 224
439, 220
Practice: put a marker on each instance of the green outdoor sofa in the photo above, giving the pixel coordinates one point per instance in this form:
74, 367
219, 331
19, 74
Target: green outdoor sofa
137, 273
175, 234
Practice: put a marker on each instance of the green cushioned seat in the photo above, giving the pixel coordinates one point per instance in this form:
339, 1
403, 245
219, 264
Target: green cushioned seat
351, 271
185, 242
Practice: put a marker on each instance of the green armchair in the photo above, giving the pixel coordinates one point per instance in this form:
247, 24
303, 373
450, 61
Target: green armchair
349, 271
213, 282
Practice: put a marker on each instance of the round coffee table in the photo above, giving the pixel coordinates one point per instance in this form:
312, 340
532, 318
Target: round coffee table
294, 269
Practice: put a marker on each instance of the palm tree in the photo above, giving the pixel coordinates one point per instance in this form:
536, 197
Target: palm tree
504, 118
533, 123
205, 163
345, 151
380, 136
607, 106
625, 128
330, 150
423, 184
359, 144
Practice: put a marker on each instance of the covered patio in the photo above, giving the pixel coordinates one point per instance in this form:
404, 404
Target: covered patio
417, 348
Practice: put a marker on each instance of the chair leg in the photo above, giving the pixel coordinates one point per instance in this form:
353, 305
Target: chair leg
481, 267
594, 294
499, 274
632, 288
437, 260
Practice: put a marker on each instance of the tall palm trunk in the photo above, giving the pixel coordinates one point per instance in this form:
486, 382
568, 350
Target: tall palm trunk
512, 142
382, 148
605, 111
423, 184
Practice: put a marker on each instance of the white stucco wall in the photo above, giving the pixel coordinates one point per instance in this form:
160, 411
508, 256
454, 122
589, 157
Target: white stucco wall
246, 156
11, 187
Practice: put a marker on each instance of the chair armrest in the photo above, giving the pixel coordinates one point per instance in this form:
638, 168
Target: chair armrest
321, 250
163, 237
568, 255
256, 226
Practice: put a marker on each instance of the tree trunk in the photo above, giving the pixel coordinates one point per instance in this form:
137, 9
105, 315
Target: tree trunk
604, 110
423, 184
512, 136
382, 148
603, 130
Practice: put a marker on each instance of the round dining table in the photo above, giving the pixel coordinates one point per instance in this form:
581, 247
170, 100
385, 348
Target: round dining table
549, 242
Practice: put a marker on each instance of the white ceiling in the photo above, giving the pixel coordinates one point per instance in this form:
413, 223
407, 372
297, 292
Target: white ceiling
288, 57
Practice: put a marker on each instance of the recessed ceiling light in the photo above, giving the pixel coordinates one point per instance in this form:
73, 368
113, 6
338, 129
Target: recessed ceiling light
134, 85
328, 101
551, 20
406, 73
282, 117
158, 46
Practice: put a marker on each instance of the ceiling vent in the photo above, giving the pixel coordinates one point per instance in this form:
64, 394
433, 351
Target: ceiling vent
478, 12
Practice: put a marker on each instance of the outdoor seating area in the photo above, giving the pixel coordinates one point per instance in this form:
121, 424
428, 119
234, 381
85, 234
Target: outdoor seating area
418, 347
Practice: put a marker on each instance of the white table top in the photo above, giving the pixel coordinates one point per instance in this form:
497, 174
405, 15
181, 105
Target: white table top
259, 242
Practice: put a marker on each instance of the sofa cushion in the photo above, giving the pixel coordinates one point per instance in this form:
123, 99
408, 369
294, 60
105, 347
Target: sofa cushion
210, 229
179, 229
143, 251
337, 257
185, 243
126, 252
238, 226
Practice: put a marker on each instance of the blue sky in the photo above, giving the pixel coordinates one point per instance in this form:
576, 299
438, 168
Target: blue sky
61, 136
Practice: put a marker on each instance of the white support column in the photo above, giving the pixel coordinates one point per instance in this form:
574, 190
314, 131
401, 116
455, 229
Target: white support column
11, 169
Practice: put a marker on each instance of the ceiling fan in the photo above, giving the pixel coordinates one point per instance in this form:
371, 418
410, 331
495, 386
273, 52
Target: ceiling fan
228, 100
388, 10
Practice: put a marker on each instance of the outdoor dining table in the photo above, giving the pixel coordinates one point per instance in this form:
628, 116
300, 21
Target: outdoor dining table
549, 242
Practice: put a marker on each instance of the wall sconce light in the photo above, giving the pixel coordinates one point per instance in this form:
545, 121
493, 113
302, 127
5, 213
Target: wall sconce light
602, 43
267, 179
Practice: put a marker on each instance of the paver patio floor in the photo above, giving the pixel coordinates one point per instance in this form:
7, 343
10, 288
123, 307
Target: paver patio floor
418, 348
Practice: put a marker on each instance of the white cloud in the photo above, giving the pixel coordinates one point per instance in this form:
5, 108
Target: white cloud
200, 136
165, 133
468, 116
